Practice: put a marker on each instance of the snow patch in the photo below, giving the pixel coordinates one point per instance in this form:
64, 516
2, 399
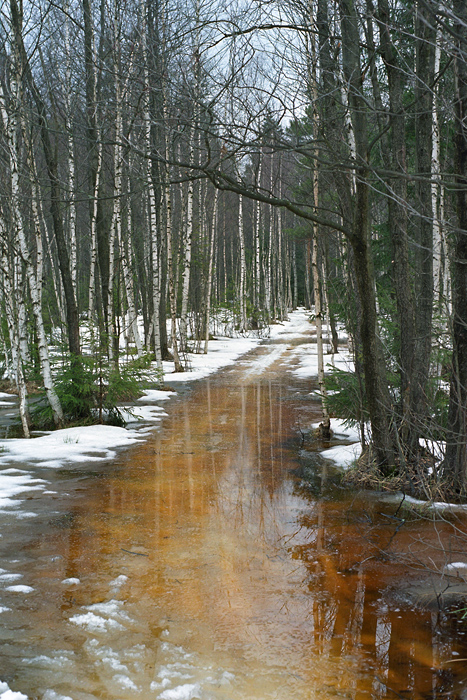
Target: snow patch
145, 413
81, 444
7, 694
60, 660
221, 353
95, 623
10, 577
156, 395
341, 430
101, 617
119, 581
19, 589
343, 455
15, 482
188, 691
125, 682
456, 565
265, 361
52, 695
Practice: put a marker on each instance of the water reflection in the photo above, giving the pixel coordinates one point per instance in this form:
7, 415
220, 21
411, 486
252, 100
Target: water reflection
205, 570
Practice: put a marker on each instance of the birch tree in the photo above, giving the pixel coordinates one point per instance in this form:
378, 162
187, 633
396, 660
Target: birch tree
10, 118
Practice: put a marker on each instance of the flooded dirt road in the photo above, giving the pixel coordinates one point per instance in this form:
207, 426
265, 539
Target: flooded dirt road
199, 565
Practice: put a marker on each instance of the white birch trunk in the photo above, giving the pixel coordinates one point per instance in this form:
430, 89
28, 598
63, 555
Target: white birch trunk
308, 274
10, 121
20, 287
71, 161
242, 285
187, 245
55, 281
151, 203
295, 276
325, 426
128, 282
349, 129
170, 274
212, 246
224, 255
279, 259
169, 234
14, 333
93, 223
116, 225
319, 329
436, 192
269, 290
257, 285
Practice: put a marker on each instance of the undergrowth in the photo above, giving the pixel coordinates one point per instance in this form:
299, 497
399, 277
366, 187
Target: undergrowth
90, 391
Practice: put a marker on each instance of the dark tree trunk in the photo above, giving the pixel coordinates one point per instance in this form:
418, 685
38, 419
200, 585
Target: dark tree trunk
377, 392
394, 154
55, 191
455, 463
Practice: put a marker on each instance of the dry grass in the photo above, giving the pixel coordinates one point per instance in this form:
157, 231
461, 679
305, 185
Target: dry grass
418, 478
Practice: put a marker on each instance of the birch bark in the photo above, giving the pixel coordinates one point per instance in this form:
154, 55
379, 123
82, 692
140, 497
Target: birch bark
11, 125
12, 317
212, 246
242, 285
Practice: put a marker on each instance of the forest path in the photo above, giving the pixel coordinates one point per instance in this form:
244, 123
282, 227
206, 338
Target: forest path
198, 565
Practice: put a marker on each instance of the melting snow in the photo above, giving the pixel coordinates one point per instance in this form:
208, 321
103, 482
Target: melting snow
7, 694
188, 691
95, 623
156, 395
10, 577
52, 695
19, 589
71, 444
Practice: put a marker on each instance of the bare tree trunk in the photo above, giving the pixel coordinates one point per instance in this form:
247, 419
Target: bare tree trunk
54, 181
425, 62
325, 426
257, 241
70, 159
242, 285
126, 257
455, 463
212, 248
187, 244
384, 442
12, 318
398, 222
12, 129
94, 251
437, 189
279, 253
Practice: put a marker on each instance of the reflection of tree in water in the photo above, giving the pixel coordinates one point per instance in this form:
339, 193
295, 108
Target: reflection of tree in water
357, 614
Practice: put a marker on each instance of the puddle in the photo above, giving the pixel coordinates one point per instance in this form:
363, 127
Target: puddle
198, 565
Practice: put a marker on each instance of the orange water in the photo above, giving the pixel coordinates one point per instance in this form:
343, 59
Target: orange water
236, 582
